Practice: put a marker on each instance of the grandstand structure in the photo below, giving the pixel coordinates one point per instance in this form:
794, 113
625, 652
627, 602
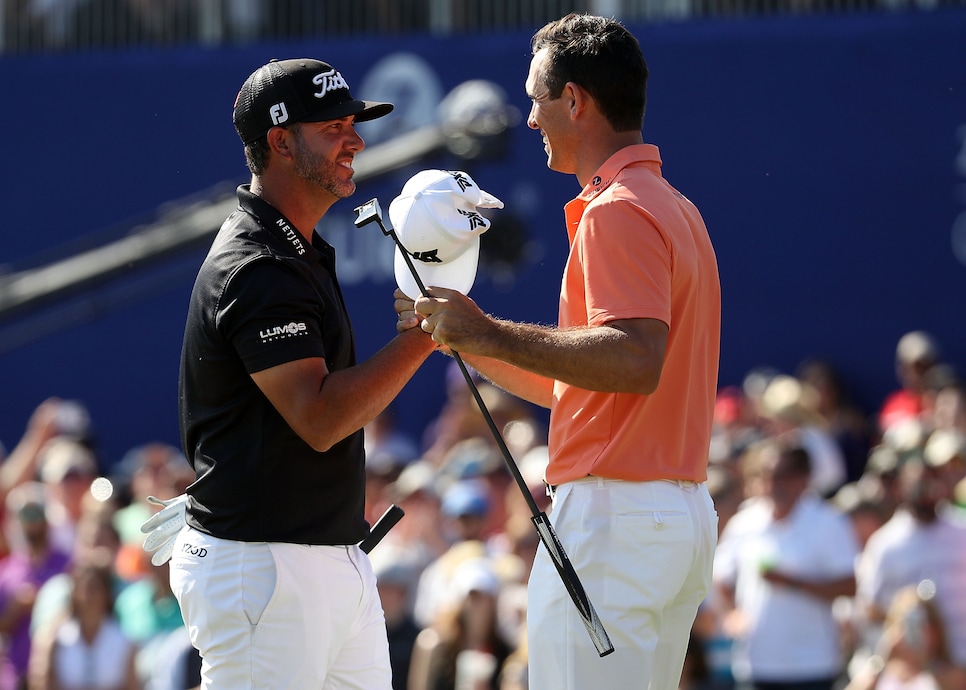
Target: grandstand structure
30, 26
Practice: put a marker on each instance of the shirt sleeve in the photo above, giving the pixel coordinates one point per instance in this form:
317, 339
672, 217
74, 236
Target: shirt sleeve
271, 315
626, 262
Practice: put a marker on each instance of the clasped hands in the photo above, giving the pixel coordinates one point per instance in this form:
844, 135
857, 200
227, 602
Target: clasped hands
452, 319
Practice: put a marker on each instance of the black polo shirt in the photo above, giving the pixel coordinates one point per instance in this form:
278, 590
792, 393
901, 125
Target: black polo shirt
264, 296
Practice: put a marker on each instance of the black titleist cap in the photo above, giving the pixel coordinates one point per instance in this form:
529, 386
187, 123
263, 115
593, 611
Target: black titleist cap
301, 90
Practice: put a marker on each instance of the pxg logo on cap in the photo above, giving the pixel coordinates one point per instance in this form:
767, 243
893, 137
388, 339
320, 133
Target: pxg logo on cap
437, 220
299, 90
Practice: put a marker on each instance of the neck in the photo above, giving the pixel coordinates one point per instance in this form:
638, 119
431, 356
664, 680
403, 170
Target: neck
598, 154
90, 625
304, 208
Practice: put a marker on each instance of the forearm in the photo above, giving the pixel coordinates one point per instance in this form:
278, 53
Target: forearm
351, 398
601, 358
527, 385
324, 407
827, 590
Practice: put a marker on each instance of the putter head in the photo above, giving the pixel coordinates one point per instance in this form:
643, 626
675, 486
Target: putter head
371, 211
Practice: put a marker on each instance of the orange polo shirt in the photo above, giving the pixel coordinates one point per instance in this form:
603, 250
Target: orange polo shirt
639, 249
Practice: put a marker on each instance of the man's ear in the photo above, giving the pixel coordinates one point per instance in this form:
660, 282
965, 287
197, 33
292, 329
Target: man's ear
280, 141
576, 98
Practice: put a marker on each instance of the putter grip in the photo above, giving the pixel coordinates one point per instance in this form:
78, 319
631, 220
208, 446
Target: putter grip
385, 523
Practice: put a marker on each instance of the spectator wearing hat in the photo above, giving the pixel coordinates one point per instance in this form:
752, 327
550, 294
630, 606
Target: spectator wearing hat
419, 538
33, 560
785, 411
945, 450
463, 648
67, 469
465, 507
917, 352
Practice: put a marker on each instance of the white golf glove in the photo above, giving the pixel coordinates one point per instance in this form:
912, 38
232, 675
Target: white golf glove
162, 528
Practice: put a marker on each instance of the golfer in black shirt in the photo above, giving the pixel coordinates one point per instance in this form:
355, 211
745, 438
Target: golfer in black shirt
273, 589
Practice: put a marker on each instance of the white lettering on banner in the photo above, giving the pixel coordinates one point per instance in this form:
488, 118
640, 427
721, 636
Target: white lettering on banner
329, 81
278, 113
289, 330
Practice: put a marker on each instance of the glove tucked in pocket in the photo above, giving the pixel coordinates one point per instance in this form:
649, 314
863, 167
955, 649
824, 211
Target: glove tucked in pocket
162, 528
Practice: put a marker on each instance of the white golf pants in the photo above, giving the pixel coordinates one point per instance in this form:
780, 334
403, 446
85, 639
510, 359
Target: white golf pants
272, 616
643, 553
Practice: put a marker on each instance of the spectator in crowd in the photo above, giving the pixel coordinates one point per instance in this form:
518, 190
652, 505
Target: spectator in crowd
148, 612
67, 469
826, 396
735, 425
784, 409
95, 532
52, 418
949, 407
945, 449
86, 649
459, 417
864, 511
916, 353
924, 540
463, 647
396, 582
419, 539
32, 561
712, 642
465, 510
782, 560
478, 459
880, 481
913, 653
152, 469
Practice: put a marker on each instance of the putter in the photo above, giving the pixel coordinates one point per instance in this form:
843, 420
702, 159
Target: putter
372, 212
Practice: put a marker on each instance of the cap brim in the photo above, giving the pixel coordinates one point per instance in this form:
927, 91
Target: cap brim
363, 110
458, 274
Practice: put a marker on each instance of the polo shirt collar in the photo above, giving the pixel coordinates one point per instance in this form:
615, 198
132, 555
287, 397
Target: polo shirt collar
639, 154
273, 220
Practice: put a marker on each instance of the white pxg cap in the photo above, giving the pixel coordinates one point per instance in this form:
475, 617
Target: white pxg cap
437, 220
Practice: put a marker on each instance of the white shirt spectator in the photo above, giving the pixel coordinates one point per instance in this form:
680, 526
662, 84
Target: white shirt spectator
788, 634
906, 551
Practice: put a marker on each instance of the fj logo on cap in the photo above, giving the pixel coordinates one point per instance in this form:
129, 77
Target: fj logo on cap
278, 113
329, 81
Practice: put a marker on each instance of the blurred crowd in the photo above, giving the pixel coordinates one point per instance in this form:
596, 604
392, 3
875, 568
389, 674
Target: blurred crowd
842, 544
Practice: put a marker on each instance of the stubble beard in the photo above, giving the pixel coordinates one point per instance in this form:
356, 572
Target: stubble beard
321, 172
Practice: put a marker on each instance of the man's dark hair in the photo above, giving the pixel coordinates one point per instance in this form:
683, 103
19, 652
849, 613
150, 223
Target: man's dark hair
256, 155
797, 457
600, 56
